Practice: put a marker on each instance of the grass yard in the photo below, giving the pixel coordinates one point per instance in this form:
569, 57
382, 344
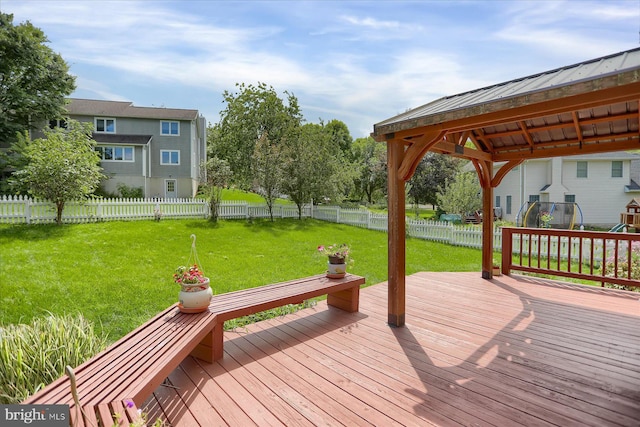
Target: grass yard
232, 195
118, 274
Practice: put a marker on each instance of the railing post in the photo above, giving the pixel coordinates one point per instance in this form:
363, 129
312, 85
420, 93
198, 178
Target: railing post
507, 248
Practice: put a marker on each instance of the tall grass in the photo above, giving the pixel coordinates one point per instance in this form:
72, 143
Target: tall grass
34, 355
118, 274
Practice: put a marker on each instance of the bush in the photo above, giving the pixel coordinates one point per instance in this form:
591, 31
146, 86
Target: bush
623, 268
32, 356
130, 192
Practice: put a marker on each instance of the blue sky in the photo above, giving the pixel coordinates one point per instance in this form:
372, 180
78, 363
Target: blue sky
356, 61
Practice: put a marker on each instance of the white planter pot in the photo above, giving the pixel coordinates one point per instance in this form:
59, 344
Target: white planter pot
195, 298
336, 271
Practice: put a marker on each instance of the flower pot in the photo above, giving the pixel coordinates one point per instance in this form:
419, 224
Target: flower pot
496, 270
336, 267
195, 297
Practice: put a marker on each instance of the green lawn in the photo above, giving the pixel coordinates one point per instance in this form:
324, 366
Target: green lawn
118, 274
232, 195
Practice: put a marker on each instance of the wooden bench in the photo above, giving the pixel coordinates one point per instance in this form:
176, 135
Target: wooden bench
134, 366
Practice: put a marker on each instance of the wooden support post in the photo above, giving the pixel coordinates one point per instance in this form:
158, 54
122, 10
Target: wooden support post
487, 223
396, 237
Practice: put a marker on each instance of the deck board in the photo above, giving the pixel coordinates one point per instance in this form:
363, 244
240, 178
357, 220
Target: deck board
510, 351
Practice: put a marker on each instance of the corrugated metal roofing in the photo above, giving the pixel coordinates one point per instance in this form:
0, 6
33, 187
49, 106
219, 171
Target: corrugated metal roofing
583, 71
93, 107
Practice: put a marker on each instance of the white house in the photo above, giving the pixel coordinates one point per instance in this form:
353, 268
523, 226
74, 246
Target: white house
600, 184
156, 149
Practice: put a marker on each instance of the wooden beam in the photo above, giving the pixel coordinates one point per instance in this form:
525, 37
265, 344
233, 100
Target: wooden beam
396, 235
503, 171
570, 150
416, 152
460, 151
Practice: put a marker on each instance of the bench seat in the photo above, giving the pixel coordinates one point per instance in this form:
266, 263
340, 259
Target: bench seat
134, 366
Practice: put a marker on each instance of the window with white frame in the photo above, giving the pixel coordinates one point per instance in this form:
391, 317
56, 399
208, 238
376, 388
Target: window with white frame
116, 153
169, 128
169, 157
105, 125
616, 169
582, 169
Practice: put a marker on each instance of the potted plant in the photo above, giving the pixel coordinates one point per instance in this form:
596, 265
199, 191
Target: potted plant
545, 219
195, 292
338, 256
496, 268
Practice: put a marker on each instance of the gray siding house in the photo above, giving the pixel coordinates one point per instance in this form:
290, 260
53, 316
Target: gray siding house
156, 149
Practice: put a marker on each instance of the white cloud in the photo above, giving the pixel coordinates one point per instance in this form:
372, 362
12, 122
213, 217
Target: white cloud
371, 23
359, 62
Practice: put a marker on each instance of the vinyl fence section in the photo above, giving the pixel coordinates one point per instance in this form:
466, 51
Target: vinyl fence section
25, 210
21, 210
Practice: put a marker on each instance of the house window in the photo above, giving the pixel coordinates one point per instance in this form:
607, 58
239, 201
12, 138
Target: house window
169, 128
497, 201
616, 169
508, 205
570, 198
582, 170
58, 123
169, 157
534, 198
105, 125
115, 153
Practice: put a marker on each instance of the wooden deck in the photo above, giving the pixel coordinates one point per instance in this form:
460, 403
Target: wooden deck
510, 351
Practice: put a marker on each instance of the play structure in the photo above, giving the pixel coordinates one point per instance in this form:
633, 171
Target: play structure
562, 215
630, 218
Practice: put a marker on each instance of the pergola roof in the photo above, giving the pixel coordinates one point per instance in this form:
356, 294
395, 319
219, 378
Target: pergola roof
590, 107
586, 108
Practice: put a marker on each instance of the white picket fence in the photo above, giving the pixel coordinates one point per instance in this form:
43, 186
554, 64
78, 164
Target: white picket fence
20, 210
25, 210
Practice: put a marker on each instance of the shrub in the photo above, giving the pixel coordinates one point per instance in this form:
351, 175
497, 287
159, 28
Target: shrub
34, 355
623, 267
130, 192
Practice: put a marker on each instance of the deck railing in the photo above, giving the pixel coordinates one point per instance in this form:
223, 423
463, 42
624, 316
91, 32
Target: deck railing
587, 255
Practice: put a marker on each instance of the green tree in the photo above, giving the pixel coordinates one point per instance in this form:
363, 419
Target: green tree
461, 195
370, 162
267, 171
215, 175
251, 112
340, 135
312, 166
63, 166
34, 80
433, 172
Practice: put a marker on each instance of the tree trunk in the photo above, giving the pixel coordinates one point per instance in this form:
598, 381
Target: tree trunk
59, 209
